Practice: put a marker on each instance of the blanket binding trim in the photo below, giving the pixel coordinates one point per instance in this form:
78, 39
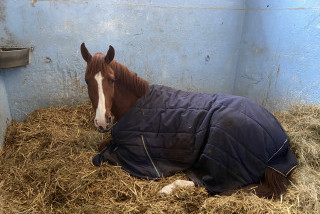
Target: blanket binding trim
278, 149
145, 148
285, 175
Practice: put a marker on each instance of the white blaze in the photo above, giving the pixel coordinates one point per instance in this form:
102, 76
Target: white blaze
101, 109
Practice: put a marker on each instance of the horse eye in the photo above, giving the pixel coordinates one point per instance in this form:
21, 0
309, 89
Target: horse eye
113, 80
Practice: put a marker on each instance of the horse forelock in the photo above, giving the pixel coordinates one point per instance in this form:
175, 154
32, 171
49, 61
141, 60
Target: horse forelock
97, 64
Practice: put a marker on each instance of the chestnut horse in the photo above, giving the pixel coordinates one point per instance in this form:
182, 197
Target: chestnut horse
113, 90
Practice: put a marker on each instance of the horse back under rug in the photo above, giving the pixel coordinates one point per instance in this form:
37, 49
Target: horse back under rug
224, 141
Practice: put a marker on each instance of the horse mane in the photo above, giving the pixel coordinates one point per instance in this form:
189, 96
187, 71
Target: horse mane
129, 79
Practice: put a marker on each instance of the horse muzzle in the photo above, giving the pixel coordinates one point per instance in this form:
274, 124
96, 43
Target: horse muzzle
103, 125
104, 130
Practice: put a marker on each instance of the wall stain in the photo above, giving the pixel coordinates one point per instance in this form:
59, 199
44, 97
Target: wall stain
74, 83
32, 4
278, 71
270, 80
277, 75
266, 96
47, 59
2, 10
254, 78
255, 49
207, 58
8, 40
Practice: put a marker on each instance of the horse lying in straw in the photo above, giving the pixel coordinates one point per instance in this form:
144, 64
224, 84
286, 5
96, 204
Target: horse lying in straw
222, 142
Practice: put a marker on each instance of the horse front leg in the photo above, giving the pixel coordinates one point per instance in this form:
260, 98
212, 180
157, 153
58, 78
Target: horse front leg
103, 144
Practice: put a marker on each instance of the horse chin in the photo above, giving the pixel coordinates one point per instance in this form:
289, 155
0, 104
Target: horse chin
102, 130
108, 128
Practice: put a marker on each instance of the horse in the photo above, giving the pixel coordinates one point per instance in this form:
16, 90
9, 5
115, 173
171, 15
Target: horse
223, 142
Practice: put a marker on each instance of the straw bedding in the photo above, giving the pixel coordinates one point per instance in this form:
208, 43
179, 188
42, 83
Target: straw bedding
45, 167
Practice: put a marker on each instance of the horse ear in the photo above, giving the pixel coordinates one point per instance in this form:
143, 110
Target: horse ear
85, 53
110, 55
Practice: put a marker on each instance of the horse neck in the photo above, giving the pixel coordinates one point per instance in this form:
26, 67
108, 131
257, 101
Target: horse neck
122, 102
127, 90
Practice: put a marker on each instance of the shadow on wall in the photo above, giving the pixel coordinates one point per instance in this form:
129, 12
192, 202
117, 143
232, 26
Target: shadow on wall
5, 116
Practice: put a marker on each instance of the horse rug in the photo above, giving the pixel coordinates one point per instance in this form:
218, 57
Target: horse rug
222, 141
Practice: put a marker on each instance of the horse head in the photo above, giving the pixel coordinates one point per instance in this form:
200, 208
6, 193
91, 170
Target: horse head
100, 78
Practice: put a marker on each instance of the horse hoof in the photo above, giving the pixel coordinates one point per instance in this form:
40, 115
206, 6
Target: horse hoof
97, 160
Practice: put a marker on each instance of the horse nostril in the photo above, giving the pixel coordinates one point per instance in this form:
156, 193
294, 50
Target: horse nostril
100, 128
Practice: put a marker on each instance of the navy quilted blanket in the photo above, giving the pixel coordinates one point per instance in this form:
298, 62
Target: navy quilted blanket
224, 142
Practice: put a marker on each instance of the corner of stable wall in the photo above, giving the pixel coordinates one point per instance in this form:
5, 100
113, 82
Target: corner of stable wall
54, 76
5, 116
278, 64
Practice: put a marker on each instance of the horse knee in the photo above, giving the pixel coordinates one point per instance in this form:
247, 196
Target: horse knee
103, 145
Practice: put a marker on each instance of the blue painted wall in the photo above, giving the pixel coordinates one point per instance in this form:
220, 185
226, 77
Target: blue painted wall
279, 64
190, 45
266, 50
